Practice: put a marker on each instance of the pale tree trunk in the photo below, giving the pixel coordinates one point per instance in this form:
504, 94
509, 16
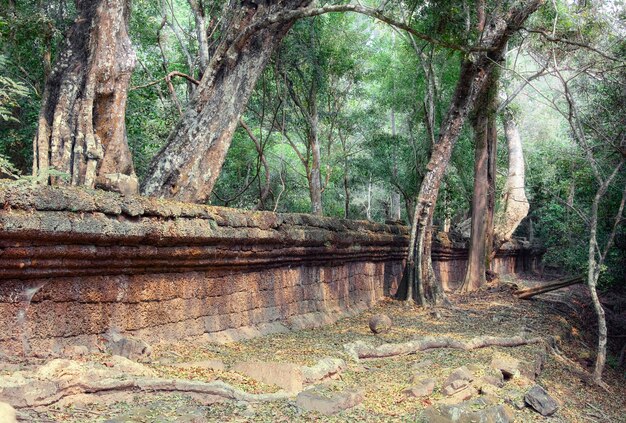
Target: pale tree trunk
188, 165
473, 79
315, 174
394, 210
81, 132
515, 204
197, 7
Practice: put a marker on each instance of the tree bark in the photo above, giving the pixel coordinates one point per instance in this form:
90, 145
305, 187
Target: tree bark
81, 132
516, 204
188, 165
473, 79
197, 7
476, 263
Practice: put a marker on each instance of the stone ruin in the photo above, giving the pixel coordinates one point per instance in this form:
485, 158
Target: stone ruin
78, 265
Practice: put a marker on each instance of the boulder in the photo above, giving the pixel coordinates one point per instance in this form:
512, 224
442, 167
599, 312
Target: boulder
7, 413
313, 401
541, 401
127, 346
380, 323
287, 376
423, 388
480, 410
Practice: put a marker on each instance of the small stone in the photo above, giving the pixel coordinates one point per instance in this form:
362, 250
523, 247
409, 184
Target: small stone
326, 368
7, 413
459, 379
541, 401
312, 401
455, 387
460, 396
422, 389
380, 323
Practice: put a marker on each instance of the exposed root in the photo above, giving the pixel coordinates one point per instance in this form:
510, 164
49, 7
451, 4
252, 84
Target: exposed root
109, 386
360, 349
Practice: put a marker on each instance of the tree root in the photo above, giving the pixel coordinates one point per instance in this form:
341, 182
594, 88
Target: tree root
360, 349
48, 396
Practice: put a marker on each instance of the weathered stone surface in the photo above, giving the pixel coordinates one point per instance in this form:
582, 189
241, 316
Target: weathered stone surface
312, 401
127, 346
7, 413
327, 367
287, 376
541, 401
480, 410
507, 365
423, 388
75, 351
380, 323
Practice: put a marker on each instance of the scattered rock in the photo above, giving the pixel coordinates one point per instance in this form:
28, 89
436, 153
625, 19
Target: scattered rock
541, 401
380, 323
455, 387
507, 365
287, 376
480, 410
127, 346
204, 364
312, 401
423, 388
7, 413
327, 367
457, 381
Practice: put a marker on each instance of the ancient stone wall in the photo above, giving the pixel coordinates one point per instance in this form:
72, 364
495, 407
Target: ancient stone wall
77, 264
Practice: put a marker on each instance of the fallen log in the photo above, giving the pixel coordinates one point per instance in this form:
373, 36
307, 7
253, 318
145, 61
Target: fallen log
360, 349
524, 294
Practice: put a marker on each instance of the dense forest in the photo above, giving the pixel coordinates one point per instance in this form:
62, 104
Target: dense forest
487, 119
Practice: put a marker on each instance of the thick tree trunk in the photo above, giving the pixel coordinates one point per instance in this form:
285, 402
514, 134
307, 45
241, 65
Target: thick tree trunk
315, 174
516, 204
473, 79
394, 209
82, 133
189, 164
483, 198
476, 264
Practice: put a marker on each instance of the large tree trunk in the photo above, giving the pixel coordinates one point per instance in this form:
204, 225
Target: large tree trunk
516, 204
476, 263
189, 164
81, 131
472, 81
483, 198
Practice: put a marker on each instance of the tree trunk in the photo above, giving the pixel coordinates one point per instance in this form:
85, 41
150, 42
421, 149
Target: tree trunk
516, 204
188, 166
394, 209
473, 79
81, 132
475, 273
483, 197
197, 8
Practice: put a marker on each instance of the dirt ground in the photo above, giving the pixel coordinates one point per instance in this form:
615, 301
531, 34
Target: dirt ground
494, 312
